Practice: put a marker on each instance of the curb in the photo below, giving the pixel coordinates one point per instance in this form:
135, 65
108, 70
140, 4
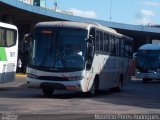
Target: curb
20, 75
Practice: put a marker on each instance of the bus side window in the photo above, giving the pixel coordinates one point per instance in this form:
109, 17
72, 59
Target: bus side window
122, 47
106, 42
101, 41
127, 50
131, 52
130, 49
10, 38
110, 43
108, 38
97, 41
114, 45
2, 38
117, 45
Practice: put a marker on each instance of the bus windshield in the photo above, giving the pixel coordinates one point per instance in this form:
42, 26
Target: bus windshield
58, 49
148, 59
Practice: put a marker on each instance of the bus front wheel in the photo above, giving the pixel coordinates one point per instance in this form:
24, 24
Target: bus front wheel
95, 87
145, 80
47, 91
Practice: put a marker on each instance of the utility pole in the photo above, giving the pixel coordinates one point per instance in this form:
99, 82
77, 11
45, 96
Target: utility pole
110, 17
55, 5
45, 4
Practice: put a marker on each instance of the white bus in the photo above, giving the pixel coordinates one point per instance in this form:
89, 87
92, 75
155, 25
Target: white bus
8, 52
148, 62
77, 56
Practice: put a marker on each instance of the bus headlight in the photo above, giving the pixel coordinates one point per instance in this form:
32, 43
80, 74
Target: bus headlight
76, 78
137, 71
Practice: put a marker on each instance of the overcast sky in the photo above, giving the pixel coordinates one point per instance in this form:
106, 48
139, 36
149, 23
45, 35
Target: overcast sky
123, 11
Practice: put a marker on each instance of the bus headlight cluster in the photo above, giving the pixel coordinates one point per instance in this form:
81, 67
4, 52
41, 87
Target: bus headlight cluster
137, 71
76, 78
32, 76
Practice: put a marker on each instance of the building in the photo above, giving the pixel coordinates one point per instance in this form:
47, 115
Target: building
40, 3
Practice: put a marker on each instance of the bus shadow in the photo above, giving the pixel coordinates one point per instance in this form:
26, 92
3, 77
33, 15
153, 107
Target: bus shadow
72, 95
22, 92
137, 94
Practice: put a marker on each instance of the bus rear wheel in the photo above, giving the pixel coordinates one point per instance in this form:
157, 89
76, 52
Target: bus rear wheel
47, 91
119, 86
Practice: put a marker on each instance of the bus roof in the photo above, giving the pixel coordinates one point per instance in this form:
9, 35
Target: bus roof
150, 47
81, 25
5, 25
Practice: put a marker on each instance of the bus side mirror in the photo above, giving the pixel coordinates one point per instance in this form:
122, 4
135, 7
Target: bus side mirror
27, 37
26, 41
134, 55
90, 39
90, 48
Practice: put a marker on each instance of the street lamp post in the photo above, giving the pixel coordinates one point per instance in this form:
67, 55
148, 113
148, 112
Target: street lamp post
45, 4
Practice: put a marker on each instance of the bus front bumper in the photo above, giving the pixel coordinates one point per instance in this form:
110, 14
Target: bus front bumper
150, 75
56, 85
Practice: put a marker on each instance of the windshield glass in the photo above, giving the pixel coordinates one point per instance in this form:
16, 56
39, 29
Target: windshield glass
148, 60
58, 48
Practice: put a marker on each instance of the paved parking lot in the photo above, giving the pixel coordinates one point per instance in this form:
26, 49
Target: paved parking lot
135, 97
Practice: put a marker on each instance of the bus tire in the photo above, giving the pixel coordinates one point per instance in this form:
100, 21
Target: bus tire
120, 83
47, 91
119, 86
145, 80
95, 87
